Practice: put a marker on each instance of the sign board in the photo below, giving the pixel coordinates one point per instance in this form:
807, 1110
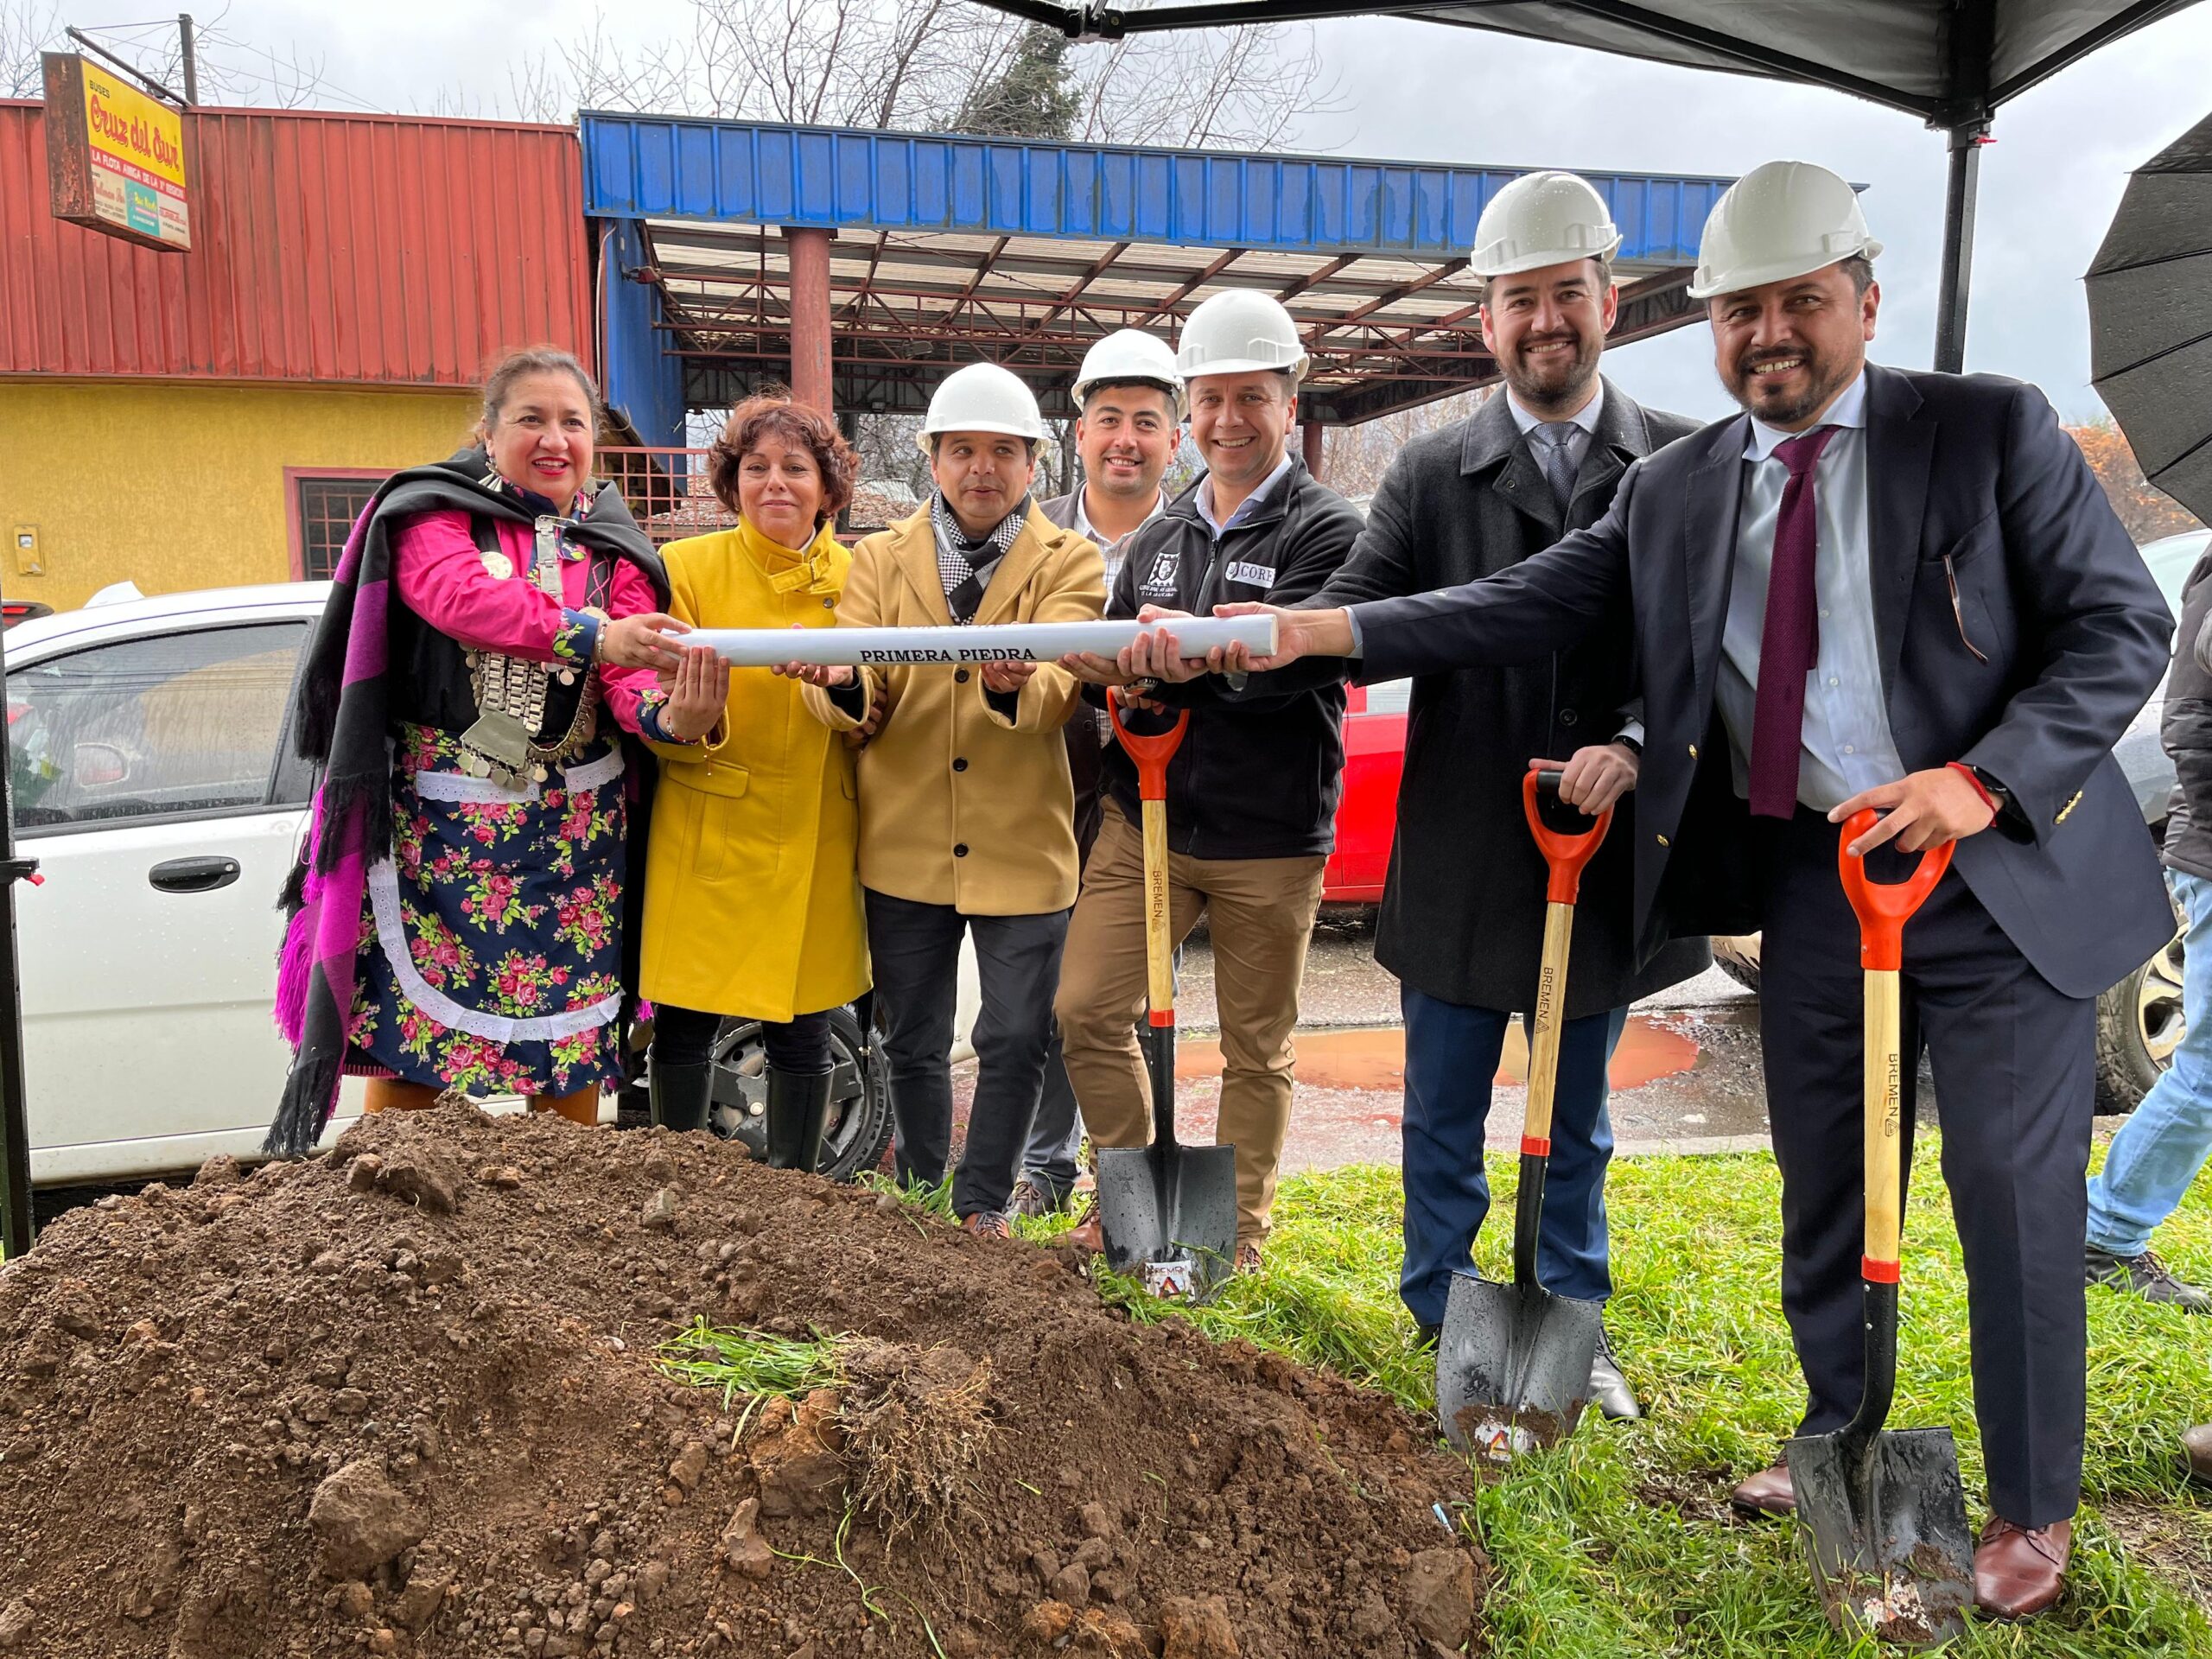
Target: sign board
114, 156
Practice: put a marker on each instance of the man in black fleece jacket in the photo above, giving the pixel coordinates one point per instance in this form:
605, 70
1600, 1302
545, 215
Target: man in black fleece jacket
1252, 791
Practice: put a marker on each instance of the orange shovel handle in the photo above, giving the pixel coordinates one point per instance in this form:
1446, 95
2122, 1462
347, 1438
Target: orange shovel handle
1567, 854
1884, 907
1151, 753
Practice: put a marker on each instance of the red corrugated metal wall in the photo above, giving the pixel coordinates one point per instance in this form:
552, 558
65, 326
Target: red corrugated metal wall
332, 248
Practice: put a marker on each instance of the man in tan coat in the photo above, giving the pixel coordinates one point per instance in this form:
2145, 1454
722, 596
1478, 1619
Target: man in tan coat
965, 804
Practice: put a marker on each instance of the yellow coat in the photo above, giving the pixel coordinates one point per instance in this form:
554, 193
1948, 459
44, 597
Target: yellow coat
960, 805
751, 903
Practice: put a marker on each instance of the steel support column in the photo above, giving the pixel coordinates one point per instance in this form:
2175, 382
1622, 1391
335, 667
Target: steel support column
809, 258
1955, 277
1309, 439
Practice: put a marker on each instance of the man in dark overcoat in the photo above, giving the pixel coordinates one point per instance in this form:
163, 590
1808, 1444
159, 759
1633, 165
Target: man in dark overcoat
1463, 912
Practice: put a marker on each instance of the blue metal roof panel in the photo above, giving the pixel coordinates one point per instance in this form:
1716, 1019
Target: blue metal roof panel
658, 166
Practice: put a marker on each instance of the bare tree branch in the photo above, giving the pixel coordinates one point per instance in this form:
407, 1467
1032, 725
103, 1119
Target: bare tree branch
27, 28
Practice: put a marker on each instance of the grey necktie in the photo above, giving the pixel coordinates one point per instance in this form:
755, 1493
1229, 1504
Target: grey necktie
1549, 439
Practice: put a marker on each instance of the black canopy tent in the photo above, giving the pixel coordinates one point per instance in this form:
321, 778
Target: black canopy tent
1950, 62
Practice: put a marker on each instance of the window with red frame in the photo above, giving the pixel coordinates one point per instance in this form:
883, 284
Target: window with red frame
324, 507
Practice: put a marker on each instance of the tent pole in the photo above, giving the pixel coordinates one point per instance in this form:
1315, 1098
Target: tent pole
1955, 277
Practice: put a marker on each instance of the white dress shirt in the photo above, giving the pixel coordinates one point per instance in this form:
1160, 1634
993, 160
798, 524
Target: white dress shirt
1847, 741
1110, 550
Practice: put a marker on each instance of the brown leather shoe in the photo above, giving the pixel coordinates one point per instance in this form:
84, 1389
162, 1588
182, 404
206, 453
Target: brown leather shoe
2018, 1571
1085, 1235
1767, 1492
2196, 1447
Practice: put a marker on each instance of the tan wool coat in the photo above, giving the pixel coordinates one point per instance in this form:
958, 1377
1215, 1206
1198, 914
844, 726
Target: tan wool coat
959, 804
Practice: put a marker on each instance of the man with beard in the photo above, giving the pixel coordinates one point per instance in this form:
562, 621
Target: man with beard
1899, 591
1462, 919
1131, 421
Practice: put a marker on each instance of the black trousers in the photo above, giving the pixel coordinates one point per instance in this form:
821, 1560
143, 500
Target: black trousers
2015, 1082
915, 949
686, 1037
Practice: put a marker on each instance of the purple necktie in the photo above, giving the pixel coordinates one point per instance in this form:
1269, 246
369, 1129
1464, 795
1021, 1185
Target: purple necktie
1790, 643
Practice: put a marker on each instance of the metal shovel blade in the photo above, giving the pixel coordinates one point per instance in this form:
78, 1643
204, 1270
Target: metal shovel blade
1885, 1527
1169, 1203
1512, 1366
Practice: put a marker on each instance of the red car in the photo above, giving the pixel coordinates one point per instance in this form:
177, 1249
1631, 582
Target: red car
1366, 816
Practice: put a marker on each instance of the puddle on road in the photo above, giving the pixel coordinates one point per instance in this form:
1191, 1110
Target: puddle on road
1374, 1057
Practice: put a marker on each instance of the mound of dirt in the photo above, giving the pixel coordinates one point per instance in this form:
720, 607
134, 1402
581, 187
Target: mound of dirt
404, 1400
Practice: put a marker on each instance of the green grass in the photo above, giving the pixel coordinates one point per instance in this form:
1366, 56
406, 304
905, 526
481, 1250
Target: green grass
1620, 1542
751, 1364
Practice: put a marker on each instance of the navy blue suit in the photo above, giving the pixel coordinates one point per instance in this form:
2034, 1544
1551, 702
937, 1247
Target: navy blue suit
2056, 638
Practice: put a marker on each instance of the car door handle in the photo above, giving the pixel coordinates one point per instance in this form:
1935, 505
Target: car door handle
193, 874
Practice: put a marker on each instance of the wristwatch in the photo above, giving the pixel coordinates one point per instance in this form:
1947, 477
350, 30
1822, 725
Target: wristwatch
1142, 688
1998, 792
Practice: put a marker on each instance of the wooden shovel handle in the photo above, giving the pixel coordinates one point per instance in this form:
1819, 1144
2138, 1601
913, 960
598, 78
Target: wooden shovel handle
1152, 755
1883, 908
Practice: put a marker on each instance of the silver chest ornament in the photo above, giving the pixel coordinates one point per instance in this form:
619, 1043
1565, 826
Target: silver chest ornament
502, 744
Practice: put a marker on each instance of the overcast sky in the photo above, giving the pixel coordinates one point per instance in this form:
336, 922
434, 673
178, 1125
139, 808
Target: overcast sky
1418, 91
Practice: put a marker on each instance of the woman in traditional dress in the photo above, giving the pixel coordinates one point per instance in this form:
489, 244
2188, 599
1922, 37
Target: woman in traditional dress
752, 904
458, 914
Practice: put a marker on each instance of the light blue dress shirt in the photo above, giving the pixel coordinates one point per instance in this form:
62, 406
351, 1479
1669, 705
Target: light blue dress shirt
1847, 741
1583, 421
1245, 509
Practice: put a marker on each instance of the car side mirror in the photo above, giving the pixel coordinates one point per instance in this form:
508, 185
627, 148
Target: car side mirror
98, 765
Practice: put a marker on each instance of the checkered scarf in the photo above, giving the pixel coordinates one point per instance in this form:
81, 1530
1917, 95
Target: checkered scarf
965, 564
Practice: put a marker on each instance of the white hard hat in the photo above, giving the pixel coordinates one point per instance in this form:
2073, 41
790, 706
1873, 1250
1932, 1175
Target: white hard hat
1784, 220
1539, 219
1130, 355
1239, 331
981, 398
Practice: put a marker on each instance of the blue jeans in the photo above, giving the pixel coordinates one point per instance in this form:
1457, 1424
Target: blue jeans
1451, 1055
2159, 1149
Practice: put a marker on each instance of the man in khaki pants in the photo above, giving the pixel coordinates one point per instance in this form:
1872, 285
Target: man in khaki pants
1251, 791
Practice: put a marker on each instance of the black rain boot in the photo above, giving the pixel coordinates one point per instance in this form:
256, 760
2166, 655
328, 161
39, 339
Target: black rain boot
798, 1106
681, 1094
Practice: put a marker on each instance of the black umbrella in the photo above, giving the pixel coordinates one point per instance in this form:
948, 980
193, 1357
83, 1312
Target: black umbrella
2151, 318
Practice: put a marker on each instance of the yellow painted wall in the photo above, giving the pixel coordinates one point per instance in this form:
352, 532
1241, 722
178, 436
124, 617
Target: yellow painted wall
174, 485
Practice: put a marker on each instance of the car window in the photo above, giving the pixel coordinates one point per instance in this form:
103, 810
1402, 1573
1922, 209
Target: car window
172, 726
2171, 559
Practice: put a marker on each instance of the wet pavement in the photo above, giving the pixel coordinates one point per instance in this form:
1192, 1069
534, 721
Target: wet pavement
1685, 1075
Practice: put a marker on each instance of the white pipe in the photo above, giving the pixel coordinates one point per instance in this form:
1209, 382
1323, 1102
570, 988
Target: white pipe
991, 643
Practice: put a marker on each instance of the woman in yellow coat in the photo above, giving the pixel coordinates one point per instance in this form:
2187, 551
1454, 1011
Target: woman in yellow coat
752, 904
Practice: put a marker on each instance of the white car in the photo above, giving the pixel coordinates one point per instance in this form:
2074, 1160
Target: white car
154, 780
